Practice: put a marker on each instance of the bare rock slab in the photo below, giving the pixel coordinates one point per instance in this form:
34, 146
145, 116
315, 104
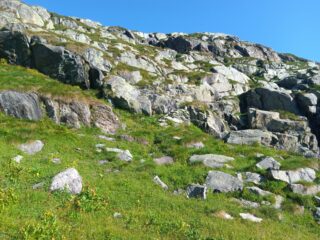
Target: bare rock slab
223, 182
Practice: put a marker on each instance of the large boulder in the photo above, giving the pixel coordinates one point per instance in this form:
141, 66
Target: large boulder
268, 99
14, 46
223, 182
251, 136
59, 63
294, 176
68, 180
32, 147
268, 163
20, 105
305, 190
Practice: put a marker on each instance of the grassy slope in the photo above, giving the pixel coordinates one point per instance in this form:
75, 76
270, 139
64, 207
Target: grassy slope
148, 211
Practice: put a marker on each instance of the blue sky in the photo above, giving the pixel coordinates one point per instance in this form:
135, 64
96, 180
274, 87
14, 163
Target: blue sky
285, 25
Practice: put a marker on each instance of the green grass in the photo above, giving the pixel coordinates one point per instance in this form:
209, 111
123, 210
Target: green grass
23, 79
147, 211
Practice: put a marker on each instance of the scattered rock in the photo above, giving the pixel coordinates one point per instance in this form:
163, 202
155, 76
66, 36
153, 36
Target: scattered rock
196, 145
197, 191
158, 181
301, 174
56, 160
258, 191
250, 217
223, 182
305, 190
110, 139
211, 160
163, 160
32, 148
68, 180
38, 185
17, 158
247, 203
317, 214
123, 155
250, 177
223, 215
268, 163
103, 162
117, 215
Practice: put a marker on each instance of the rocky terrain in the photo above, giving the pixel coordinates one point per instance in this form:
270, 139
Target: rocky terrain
119, 129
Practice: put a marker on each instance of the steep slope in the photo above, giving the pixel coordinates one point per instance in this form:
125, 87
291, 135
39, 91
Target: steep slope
258, 112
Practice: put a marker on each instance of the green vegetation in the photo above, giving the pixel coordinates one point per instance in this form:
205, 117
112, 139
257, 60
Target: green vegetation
148, 212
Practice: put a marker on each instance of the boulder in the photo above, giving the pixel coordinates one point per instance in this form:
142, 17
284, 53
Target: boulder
258, 191
20, 105
268, 99
32, 147
211, 160
268, 163
197, 191
104, 118
250, 177
223, 182
14, 46
123, 155
251, 136
59, 63
294, 176
68, 180
305, 190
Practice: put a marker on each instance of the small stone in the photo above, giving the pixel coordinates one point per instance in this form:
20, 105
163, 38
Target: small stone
17, 158
179, 192
56, 160
106, 138
259, 155
223, 215
32, 148
177, 138
103, 162
250, 177
258, 191
100, 145
211, 160
223, 182
117, 215
250, 217
196, 145
166, 160
246, 203
125, 156
197, 191
158, 181
38, 185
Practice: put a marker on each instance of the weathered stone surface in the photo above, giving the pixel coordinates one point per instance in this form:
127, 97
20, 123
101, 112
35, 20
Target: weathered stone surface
250, 177
59, 63
211, 160
197, 191
166, 160
68, 180
250, 136
20, 105
14, 46
294, 176
258, 191
222, 182
123, 155
32, 147
268, 163
305, 190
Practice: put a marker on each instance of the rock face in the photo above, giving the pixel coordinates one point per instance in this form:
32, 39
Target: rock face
302, 174
20, 105
33, 106
211, 160
204, 78
32, 148
61, 64
223, 182
68, 180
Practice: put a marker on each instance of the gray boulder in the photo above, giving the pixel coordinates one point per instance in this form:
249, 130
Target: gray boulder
197, 191
14, 46
31, 148
268, 163
211, 160
258, 191
160, 183
20, 105
250, 177
68, 180
305, 190
222, 182
294, 176
59, 63
166, 160
251, 136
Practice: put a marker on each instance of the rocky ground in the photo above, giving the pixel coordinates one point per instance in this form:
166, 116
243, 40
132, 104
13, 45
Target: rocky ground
127, 132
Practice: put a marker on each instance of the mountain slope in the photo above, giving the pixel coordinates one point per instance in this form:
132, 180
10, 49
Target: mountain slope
123, 108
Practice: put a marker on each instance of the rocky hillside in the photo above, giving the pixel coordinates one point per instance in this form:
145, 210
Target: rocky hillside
93, 118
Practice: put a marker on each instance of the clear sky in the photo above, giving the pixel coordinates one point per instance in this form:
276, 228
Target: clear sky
290, 26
